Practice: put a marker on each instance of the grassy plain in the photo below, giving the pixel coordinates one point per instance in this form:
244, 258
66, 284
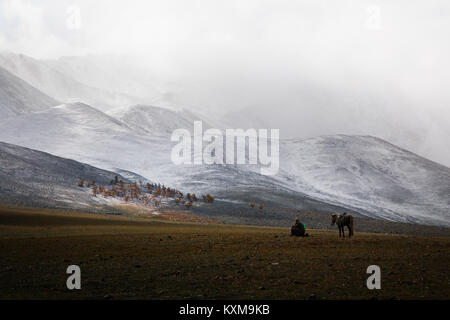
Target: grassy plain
155, 258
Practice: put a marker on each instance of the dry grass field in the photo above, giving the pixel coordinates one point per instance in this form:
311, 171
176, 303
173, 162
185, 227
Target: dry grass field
154, 258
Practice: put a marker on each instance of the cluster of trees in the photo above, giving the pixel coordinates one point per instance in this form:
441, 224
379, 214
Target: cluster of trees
260, 207
208, 198
191, 198
88, 183
150, 194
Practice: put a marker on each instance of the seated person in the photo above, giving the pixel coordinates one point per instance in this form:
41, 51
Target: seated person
298, 229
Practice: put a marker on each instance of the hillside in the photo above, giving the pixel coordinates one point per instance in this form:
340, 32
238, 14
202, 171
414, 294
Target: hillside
63, 130
19, 97
155, 121
87, 135
369, 175
33, 178
363, 175
100, 71
60, 85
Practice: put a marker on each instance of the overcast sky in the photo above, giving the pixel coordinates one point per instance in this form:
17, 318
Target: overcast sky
326, 67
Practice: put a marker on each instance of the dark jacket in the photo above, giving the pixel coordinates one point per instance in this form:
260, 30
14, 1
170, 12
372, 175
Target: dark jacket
298, 229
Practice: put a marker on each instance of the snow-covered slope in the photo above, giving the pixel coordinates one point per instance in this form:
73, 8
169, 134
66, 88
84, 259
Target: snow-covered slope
80, 132
64, 130
155, 121
18, 97
133, 76
360, 173
369, 175
101, 71
33, 178
59, 85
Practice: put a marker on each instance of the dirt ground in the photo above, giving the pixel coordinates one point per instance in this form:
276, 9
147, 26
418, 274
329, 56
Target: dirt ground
154, 258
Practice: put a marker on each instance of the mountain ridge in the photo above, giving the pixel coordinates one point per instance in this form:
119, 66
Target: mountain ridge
19, 97
30, 177
58, 85
360, 173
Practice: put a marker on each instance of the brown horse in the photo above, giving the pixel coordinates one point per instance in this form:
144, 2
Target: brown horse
342, 221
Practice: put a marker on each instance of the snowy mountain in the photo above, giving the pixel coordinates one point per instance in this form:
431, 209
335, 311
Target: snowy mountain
83, 133
331, 173
155, 121
148, 83
361, 174
100, 71
368, 175
18, 97
33, 178
59, 85
62, 128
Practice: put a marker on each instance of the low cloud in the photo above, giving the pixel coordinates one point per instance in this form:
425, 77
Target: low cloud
308, 67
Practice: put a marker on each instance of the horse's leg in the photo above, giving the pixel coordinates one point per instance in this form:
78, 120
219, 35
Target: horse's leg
343, 232
351, 225
349, 231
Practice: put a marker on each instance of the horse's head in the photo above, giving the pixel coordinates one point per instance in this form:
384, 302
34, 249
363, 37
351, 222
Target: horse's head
333, 218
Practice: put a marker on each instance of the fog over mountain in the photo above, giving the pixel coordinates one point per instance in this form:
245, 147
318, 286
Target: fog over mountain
364, 174
307, 67
359, 92
59, 85
18, 97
